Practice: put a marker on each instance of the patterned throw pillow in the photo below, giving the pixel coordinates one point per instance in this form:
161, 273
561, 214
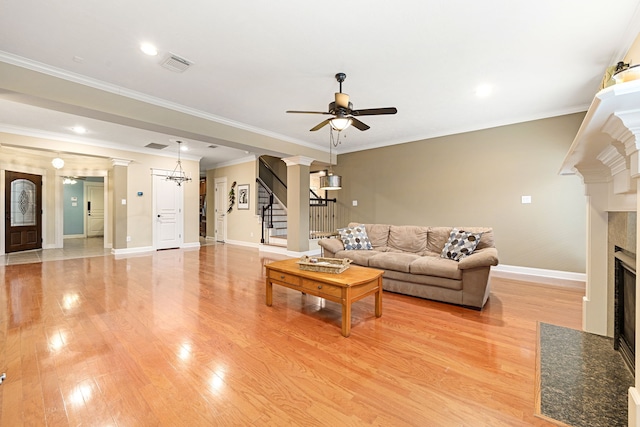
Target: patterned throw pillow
460, 244
355, 238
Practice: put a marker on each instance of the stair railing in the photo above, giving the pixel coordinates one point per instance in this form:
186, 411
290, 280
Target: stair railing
266, 213
322, 216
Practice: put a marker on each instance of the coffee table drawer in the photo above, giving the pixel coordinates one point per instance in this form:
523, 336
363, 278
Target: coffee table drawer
284, 277
321, 288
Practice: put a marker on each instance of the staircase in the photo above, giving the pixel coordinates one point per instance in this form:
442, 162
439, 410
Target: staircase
277, 226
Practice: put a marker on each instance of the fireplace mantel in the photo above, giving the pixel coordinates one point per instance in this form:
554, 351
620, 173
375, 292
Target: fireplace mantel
605, 153
605, 150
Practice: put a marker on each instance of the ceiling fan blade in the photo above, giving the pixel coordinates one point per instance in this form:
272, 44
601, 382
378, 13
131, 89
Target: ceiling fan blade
375, 111
342, 100
307, 112
320, 125
358, 124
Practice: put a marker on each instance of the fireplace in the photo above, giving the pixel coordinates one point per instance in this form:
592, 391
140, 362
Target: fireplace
624, 338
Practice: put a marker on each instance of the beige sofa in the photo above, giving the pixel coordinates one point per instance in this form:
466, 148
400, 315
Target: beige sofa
413, 265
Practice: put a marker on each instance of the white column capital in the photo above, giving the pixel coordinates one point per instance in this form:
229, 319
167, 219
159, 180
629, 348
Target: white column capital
298, 160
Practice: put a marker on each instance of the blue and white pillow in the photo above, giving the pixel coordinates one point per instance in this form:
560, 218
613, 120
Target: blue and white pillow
355, 238
460, 244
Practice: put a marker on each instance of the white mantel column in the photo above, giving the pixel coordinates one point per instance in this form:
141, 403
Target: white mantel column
595, 302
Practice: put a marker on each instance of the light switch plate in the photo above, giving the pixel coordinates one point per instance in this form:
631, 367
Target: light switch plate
526, 199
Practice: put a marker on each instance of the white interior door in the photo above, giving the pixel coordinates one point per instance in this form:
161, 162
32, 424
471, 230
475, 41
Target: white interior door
95, 208
221, 209
168, 219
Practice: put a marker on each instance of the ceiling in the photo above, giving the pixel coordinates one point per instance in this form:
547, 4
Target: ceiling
253, 60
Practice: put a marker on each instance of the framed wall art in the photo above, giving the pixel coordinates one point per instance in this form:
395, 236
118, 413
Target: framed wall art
243, 196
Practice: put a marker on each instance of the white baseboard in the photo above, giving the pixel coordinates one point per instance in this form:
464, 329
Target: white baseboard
129, 251
191, 245
73, 236
284, 251
241, 243
540, 275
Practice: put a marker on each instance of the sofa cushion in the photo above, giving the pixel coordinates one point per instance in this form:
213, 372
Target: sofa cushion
461, 243
439, 267
408, 238
437, 238
355, 237
359, 257
393, 261
378, 234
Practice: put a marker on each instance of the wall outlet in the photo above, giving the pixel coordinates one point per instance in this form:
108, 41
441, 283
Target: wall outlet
354, 203
128, 238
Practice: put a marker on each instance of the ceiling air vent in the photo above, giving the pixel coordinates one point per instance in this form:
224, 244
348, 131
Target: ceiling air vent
213, 146
156, 146
175, 63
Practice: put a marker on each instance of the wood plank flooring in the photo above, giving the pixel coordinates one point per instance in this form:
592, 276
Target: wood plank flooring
184, 337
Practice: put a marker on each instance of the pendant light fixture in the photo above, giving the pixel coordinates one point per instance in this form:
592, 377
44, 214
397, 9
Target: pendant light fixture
331, 181
178, 175
57, 163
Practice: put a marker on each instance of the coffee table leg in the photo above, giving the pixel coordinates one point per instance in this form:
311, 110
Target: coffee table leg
269, 292
379, 298
346, 318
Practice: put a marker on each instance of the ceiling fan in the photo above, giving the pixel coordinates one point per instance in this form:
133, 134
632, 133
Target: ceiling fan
343, 112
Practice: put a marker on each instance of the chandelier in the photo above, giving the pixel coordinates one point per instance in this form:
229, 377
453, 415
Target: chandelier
178, 175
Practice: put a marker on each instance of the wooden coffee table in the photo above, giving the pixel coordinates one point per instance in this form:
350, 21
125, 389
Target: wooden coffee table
344, 288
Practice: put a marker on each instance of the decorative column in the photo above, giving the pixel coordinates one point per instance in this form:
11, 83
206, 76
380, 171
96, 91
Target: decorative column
595, 303
119, 180
298, 203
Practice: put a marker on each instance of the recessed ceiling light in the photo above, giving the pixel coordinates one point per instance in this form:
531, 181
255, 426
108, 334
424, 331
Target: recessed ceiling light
184, 147
484, 90
149, 49
79, 129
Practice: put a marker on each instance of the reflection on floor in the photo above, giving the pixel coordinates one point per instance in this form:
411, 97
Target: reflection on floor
73, 248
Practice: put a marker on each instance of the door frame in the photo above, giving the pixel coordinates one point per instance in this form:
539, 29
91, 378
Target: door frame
59, 207
155, 173
45, 198
222, 181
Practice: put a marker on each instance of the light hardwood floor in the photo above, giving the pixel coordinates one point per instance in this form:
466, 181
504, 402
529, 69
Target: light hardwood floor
184, 337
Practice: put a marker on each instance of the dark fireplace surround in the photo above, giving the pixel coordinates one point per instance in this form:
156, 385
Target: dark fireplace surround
624, 338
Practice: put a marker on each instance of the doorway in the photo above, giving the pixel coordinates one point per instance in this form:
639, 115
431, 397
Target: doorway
23, 211
168, 199
94, 192
220, 208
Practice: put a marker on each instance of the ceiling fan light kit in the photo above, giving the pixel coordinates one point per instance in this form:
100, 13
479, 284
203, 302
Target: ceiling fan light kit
341, 123
343, 116
343, 113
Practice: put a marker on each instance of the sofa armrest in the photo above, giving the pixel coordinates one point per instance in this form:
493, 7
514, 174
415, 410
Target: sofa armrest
483, 258
331, 245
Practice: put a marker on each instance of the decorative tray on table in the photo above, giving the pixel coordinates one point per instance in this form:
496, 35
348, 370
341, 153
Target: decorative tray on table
324, 265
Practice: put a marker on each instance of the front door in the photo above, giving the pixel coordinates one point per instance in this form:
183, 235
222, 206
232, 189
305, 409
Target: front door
168, 213
95, 208
23, 211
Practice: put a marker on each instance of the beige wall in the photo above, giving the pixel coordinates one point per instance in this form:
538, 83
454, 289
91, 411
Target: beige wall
478, 179
242, 225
